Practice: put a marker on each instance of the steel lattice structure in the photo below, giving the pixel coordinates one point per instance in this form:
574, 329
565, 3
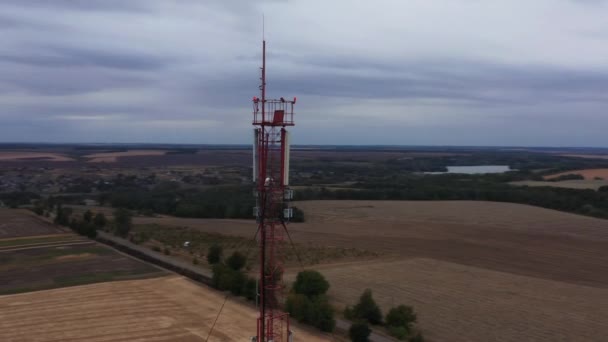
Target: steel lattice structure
271, 177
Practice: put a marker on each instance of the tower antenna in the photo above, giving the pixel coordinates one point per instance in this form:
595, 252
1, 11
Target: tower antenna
272, 211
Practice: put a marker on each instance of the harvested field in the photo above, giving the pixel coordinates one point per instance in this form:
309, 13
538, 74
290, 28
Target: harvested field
463, 303
567, 184
35, 267
36, 255
162, 309
32, 156
23, 223
111, 157
589, 174
475, 271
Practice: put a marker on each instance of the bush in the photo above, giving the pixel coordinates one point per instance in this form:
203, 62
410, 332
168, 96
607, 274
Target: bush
400, 316
603, 189
399, 332
367, 309
310, 283
215, 254
236, 261
195, 261
359, 332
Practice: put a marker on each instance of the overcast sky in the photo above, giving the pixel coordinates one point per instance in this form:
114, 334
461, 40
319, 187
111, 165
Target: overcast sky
402, 72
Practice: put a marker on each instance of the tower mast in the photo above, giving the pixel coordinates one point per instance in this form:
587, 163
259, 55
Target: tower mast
271, 178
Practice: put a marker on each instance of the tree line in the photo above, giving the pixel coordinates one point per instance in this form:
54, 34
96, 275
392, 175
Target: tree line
466, 187
170, 199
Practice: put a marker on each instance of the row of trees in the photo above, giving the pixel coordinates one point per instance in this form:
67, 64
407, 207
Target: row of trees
463, 187
229, 275
170, 199
86, 225
399, 321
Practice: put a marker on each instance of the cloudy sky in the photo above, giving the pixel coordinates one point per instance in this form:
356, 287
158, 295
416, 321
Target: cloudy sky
403, 72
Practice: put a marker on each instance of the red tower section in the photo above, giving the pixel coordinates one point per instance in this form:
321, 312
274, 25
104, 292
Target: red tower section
271, 177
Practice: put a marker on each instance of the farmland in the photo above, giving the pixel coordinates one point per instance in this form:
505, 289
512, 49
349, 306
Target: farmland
23, 223
473, 270
37, 255
32, 156
160, 309
588, 174
111, 157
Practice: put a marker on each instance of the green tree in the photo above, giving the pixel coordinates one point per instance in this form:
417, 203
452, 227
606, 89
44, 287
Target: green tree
400, 316
236, 261
62, 216
323, 314
308, 303
417, 338
299, 307
359, 332
238, 282
367, 308
214, 255
38, 208
100, 220
222, 276
87, 216
249, 289
90, 231
122, 222
310, 283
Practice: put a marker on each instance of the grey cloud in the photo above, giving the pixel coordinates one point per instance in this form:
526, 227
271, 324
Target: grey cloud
83, 5
64, 77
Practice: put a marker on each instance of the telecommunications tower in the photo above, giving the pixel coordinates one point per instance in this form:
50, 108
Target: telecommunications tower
271, 178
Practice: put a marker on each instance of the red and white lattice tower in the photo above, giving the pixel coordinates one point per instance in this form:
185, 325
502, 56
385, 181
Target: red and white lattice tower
271, 177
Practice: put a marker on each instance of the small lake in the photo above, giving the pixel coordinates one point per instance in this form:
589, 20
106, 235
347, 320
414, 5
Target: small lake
475, 169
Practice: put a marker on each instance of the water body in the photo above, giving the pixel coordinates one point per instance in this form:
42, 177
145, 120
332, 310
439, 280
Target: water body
475, 169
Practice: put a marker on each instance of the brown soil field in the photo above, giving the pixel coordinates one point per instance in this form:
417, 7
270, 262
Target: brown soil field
161, 309
462, 303
567, 184
24, 223
30, 267
33, 156
475, 271
589, 174
111, 157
